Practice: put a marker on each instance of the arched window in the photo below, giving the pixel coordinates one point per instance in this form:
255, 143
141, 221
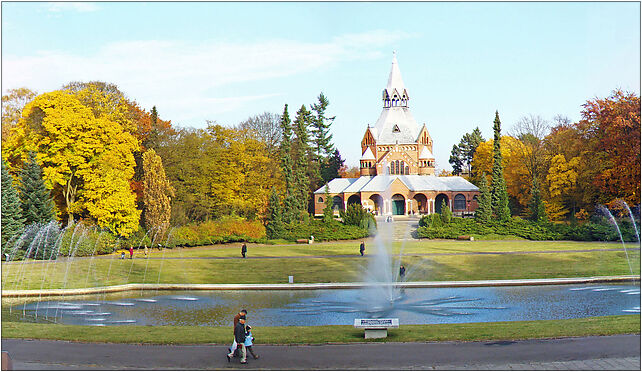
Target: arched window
320, 200
402, 168
407, 169
397, 167
460, 202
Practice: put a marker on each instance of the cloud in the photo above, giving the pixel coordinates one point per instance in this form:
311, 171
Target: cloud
186, 76
58, 7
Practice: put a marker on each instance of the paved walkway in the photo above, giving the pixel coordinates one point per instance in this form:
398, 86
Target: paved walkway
620, 352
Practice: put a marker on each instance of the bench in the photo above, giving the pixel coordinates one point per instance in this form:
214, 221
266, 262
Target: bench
376, 328
302, 241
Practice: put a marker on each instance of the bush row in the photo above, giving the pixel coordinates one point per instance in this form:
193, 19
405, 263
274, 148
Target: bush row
321, 231
598, 229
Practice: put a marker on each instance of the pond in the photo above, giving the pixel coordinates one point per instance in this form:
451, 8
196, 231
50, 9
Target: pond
337, 306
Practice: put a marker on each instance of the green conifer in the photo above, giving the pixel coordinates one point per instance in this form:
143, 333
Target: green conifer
37, 204
328, 213
499, 195
445, 212
483, 212
301, 152
290, 198
274, 226
536, 205
12, 220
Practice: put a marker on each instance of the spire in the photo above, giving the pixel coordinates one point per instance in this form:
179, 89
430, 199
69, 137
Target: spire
395, 93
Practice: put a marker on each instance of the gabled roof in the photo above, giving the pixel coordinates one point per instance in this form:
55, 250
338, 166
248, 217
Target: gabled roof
426, 154
368, 155
414, 183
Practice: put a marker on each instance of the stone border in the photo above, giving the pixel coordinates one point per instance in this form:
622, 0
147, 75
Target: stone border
304, 286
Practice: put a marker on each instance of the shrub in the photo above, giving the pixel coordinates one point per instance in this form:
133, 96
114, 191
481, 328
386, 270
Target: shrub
323, 231
598, 230
225, 230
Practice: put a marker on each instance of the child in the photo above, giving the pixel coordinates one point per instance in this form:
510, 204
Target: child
248, 341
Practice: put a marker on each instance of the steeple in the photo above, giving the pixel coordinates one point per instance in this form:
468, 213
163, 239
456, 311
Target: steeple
395, 93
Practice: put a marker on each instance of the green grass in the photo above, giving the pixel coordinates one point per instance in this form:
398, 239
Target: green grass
607, 325
105, 271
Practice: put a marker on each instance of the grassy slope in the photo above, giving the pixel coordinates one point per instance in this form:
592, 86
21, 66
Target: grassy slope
101, 271
608, 325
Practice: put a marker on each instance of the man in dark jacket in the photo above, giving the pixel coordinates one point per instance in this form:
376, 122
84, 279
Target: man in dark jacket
244, 250
239, 337
362, 248
237, 317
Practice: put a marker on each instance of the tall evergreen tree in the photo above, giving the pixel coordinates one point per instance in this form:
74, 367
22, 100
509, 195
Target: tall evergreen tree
37, 204
321, 128
331, 168
301, 152
536, 205
446, 213
328, 213
461, 155
499, 195
12, 220
484, 211
290, 198
274, 226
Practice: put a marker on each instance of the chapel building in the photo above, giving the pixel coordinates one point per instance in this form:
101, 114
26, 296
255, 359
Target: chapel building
397, 166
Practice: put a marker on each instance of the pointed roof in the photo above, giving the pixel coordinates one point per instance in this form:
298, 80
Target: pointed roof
368, 155
394, 80
426, 154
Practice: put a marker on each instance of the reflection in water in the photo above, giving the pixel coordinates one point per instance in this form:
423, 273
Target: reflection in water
335, 306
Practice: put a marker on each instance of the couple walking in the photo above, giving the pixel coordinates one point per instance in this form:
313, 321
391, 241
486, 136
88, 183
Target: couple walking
243, 338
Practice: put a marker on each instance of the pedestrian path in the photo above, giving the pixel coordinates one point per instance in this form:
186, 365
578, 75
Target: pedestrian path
620, 352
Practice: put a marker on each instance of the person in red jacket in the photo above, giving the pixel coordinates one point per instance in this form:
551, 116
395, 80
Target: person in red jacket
131, 252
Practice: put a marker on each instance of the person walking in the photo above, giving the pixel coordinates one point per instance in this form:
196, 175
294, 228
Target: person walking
239, 337
249, 341
131, 252
362, 248
402, 271
243, 250
237, 317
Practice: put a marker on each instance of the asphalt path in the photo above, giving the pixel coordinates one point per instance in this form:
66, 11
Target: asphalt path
599, 352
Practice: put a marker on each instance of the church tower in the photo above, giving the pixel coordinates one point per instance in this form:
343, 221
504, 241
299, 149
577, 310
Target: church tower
396, 144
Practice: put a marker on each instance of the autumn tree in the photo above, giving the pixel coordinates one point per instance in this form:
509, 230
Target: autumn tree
352, 172
36, 201
266, 127
561, 178
12, 220
615, 123
12, 104
86, 154
499, 195
157, 194
515, 172
531, 131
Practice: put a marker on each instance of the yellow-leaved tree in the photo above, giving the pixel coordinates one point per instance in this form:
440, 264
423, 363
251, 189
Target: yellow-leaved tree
515, 172
561, 178
86, 157
157, 192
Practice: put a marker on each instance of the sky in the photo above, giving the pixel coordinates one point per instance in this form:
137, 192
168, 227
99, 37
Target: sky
225, 62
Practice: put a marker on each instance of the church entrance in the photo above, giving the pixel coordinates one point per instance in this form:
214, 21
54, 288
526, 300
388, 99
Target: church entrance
438, 200
398, 205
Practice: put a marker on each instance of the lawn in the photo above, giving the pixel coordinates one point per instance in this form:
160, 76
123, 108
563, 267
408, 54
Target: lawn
607, 325
327, 262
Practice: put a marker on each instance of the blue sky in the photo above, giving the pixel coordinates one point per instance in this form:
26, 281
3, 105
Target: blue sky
227, 61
